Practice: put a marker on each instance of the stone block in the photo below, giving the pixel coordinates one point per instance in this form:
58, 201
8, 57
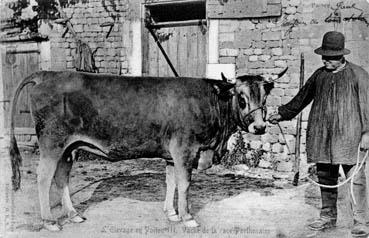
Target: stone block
255, 35
274, 43
246, 25
259, 44
295, 3
70, 65
269, 138
304, 42
290, 10
258, 51
241, 62
256, 144
248, 51
305, 113
267, 146
280, 63
260, 26
274, 130
270, 25
273, 101
277, 92
227, 44
242, 40
253, 58
228, 26
285, 124
291, 92
227, 60
287, 139
270, 35
277, 148
286, 56
226, 36
265, 57
277, 51
285, 166
228, 52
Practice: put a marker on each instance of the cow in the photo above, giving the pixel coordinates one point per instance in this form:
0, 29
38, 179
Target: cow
186, 121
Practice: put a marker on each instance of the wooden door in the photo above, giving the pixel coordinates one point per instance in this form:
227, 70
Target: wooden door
15, 67
185, 46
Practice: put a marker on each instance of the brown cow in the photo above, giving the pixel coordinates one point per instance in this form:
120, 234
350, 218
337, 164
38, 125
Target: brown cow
183, 120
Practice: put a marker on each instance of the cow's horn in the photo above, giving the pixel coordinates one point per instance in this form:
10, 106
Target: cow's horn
223, 77
283, 72
275, 77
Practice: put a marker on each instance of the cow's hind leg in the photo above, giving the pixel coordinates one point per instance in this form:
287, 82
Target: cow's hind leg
62, 181
170, 191
45, 173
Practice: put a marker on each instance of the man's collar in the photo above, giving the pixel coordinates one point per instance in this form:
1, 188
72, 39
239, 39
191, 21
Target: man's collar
340, 68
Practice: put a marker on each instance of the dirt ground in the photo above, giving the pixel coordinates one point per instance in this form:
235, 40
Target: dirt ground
125, 199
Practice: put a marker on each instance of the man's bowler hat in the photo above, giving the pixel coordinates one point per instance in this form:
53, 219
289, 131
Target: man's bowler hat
333, 44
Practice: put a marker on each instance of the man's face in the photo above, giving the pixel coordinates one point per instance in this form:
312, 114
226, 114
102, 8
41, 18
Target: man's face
332, 62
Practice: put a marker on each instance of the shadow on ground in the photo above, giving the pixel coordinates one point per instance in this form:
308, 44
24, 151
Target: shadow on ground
150, 187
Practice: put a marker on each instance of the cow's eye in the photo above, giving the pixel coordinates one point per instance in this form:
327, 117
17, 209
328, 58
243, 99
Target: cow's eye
241, 102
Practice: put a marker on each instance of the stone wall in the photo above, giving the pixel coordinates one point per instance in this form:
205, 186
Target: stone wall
270, 44
112, 50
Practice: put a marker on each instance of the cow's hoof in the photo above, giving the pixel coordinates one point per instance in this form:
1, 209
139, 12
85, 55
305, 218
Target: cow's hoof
77, 218
189, 221
52, 225
173, 216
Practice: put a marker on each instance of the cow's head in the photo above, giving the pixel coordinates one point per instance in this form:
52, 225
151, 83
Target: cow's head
250, 92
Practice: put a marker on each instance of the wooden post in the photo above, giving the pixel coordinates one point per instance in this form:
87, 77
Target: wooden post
298, 129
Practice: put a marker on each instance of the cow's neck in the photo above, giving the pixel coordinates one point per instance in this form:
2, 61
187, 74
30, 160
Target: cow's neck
228, 126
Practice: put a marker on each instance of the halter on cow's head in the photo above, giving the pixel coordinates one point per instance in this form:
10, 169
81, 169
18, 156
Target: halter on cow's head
249, 98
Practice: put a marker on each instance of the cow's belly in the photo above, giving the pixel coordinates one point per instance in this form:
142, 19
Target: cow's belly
125, 149
128, 141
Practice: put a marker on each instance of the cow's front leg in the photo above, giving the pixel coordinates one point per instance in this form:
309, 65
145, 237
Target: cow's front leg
183, 154
169, 197
183, 177
45, 173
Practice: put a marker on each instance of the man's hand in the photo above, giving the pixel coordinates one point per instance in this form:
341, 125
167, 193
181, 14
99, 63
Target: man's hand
364, 143
275, 118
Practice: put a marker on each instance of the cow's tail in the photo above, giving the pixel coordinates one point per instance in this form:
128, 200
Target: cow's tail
15, 156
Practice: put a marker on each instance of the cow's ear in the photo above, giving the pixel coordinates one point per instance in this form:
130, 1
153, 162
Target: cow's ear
223, 90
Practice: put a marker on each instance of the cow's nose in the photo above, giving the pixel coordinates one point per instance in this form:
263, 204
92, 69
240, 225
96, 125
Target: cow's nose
259, 129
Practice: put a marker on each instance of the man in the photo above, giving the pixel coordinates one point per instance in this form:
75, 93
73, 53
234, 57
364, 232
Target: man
338, 123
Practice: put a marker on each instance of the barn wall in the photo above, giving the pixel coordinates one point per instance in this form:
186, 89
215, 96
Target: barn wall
117, 53
268, 45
